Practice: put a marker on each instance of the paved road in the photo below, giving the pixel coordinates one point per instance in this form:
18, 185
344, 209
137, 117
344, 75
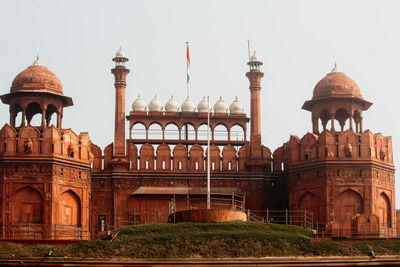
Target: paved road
272, 261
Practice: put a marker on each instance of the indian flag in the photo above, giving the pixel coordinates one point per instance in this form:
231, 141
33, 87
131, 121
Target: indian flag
187, 63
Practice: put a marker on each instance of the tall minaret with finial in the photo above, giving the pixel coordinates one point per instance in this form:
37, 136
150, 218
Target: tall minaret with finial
255, 76
120, 72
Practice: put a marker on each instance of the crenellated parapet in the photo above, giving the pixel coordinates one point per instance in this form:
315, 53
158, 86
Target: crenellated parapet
336, 146
51, 141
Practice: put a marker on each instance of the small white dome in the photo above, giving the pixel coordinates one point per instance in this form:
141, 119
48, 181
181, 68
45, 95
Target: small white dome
155, 105
171, 105
220, 106
202, 106
254, 57
188, 106
236, 107
139, 104
120, 53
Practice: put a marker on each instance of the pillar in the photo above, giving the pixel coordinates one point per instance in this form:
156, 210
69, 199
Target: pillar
23, 118
314, 119
43, 117
120, 72
333, 122
255, 76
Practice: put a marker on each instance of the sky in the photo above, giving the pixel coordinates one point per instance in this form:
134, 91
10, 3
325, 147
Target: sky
298, 41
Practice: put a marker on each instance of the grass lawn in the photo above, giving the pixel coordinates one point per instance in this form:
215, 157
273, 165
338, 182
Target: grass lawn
206, 240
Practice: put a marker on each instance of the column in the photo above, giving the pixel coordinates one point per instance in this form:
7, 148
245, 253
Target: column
23, 118
351, 122
332, 122
43, 117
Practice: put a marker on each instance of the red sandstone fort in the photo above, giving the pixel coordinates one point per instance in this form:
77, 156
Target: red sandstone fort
57, 184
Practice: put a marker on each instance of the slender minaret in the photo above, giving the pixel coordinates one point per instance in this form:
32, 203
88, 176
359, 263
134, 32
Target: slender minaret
255, 76
120, 72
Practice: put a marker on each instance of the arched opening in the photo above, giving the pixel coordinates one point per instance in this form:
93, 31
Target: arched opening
16, 121
27, 206
348, 204
51, 115
34, 114
171, 132
357, 121
325, 117
155, 131
237, 133
188, 132
69, 209
138, 131
341, 116
384, 210
202, 132
312, 203
220, 132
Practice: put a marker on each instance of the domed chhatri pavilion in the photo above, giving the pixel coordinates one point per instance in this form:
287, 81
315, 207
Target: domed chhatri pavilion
56, 184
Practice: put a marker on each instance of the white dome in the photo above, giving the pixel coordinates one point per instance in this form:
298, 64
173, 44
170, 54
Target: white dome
220, 106
254, 57
120, 53
171, 105
139, 104
155, 105
188, 106
236, 107
202, 106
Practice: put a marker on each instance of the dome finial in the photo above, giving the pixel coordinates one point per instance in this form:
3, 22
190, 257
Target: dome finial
37, 62
335, 69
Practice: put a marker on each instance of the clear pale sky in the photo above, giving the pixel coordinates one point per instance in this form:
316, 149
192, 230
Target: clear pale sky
298, 41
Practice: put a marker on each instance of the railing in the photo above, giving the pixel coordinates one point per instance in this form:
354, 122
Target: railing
354, 230
45, 231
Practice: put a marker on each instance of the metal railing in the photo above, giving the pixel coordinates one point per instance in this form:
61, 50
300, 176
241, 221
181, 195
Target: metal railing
37, 231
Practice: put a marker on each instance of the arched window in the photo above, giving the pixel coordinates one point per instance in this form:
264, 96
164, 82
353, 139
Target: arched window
188, 132
138, 131
202, 132
237, 133
220, 132
171, 132
155, 131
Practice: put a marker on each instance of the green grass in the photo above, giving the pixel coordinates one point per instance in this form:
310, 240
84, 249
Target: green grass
206, 240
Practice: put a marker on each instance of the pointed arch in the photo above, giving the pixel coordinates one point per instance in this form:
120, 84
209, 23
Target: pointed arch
69, 209
27, 206
311, 202
384, 210
347, 204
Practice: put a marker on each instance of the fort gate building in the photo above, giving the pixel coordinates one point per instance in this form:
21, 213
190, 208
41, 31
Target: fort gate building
57, 184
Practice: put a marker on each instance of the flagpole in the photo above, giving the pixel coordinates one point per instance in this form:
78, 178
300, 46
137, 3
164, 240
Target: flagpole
208, 154
187, 69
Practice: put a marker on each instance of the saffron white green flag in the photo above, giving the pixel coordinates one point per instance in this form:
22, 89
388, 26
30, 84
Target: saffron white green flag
187, 63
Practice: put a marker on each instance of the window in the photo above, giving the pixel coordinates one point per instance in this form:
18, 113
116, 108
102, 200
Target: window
102, 223
163, 165
147, 164
196, 165
180, 165
229, 165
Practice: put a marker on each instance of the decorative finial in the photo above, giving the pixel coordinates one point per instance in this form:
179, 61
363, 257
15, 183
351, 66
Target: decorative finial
37, 62
335, 69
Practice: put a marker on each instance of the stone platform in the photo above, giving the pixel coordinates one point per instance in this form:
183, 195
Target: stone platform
207, 216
